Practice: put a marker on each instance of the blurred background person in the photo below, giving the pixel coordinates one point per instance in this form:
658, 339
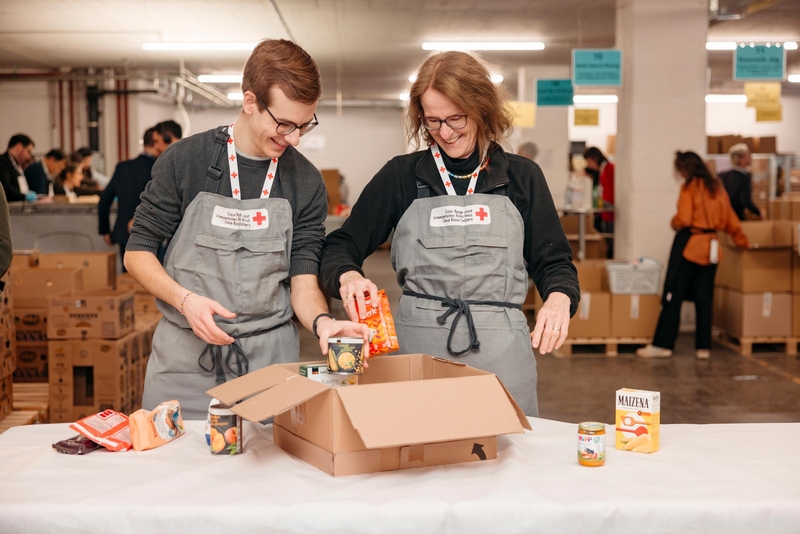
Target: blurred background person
41, 174
92, 178
6, 247
12, 168
602, 173
739, 182
703, 209
166, 133
69, 181
126, 185
528, 150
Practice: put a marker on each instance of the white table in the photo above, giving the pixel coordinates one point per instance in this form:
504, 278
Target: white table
712, 478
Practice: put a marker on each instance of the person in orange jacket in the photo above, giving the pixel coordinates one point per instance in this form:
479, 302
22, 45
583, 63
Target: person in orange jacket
703, 209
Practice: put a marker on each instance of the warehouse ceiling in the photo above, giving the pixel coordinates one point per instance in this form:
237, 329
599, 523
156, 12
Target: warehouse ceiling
365, 48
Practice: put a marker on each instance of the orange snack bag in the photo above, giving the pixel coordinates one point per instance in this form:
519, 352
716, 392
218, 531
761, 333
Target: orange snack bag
154, 429
381, 325
109, 429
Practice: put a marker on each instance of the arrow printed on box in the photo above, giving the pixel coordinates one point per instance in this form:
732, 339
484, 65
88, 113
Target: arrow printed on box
477, 449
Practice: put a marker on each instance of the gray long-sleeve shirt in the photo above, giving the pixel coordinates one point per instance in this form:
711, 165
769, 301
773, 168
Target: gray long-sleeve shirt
180, 174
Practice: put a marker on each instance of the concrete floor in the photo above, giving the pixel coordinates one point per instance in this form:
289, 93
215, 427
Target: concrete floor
728, 388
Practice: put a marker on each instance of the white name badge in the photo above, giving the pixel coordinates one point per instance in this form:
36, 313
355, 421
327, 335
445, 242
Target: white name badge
461, 216
240, 219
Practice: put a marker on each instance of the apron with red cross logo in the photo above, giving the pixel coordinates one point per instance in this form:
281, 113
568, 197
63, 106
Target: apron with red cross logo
459, 261
235, 252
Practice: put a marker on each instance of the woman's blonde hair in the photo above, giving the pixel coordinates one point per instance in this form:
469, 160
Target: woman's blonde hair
464, 79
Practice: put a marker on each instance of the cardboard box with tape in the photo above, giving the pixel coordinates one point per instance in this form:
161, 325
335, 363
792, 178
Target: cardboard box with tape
408, 411
634, 316
106, 314
32, 287
99, 268
765, 266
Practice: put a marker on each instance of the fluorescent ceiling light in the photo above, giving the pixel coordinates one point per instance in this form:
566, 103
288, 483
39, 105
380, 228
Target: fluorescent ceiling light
727, 45
499, 45
794, 78
199, 46
595, 99
726, 99
236, 96
790, 45
220, 78
405, 97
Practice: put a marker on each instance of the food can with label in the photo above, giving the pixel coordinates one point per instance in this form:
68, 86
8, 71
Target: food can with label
345, 355
223, 429
592, 444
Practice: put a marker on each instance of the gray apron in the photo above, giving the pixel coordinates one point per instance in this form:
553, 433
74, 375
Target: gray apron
463, 287
247, 272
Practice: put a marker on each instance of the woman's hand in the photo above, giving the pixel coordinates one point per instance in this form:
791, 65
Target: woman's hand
327, 327
352, 287
552, 323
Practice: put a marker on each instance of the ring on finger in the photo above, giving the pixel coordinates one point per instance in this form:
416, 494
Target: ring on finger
556, 329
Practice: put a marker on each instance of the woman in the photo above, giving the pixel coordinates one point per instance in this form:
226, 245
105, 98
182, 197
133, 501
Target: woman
69, 180
703, 209
466, 217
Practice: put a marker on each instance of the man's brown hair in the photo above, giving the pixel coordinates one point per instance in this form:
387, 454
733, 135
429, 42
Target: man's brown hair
465, 81
282, 63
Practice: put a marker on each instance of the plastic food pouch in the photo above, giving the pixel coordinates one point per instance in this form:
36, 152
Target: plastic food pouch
383, 336
76, 445
109, 429
154, 429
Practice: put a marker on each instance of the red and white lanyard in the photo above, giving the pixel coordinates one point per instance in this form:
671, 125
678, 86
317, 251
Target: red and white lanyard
233, 163
437, 157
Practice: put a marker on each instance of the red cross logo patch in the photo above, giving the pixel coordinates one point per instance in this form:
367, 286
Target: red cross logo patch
259, 218
482, 214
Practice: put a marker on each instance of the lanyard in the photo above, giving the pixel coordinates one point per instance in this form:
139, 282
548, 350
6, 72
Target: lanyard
234, 168
437, 157
17, 166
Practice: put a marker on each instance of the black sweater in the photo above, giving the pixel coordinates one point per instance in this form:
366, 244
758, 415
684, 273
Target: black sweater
393, 189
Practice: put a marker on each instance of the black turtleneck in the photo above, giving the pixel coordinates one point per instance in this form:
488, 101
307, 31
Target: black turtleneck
462, 167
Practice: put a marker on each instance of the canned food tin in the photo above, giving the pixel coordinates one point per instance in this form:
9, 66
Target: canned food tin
345, 355
223, 429
592, 444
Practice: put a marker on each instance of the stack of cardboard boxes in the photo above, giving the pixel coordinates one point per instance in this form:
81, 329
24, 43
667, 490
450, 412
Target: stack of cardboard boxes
720, 144
753, 297
7, 345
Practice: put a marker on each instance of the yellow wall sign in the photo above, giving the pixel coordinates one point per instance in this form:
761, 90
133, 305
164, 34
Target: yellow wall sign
769, 113
524, 113
762, 94
587, 117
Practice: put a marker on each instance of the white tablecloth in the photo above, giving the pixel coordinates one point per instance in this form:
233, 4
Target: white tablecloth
710, 478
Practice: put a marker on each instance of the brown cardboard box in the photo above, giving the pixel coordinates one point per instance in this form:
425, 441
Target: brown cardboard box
767, 145
592, 275
6, 386
126, 282
727, 141
24, 258
144, 303
87, 377
752, 143
753, 314
408, 411
135, 382
712, 144
593, 318
7, 323
31, 362
104, 314
795, 273
331, 177
7, 293
32, 287
30, 324
634, 315
784, 209
796, 315
8, 356
765, 266
596, 246
146, 324
611, 144
99, 268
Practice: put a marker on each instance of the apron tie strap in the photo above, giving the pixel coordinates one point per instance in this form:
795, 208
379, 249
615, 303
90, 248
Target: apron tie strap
234, 351
460, 307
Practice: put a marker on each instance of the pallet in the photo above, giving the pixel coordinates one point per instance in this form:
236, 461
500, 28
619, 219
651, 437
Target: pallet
611, 344
744, 345
19, 418
32, 396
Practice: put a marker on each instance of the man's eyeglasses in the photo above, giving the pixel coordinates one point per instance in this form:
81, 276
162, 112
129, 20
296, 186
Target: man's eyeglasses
455, 122
285, 128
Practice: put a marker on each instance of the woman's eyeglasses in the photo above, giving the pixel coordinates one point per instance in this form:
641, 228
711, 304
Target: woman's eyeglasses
455, 122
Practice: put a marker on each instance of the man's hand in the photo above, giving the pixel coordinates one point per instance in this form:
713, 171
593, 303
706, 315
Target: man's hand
352, 287
552, 323
107, 239
199, 312
327, 327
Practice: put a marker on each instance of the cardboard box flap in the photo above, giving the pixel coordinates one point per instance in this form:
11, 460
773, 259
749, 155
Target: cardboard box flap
250, 384
428, 411
279, 398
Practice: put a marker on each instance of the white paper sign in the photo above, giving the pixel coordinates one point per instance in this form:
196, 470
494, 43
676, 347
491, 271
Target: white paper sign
461, 216
240, 219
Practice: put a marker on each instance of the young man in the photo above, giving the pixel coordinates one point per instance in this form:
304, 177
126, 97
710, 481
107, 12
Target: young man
40, 174
166, 133
12, 168
244, 213
126, 185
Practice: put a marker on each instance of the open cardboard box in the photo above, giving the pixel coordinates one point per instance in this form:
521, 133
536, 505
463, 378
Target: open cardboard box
408, 411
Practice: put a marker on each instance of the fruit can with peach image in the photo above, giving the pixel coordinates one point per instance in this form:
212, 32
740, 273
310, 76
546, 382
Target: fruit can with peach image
345, 355
224, 434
